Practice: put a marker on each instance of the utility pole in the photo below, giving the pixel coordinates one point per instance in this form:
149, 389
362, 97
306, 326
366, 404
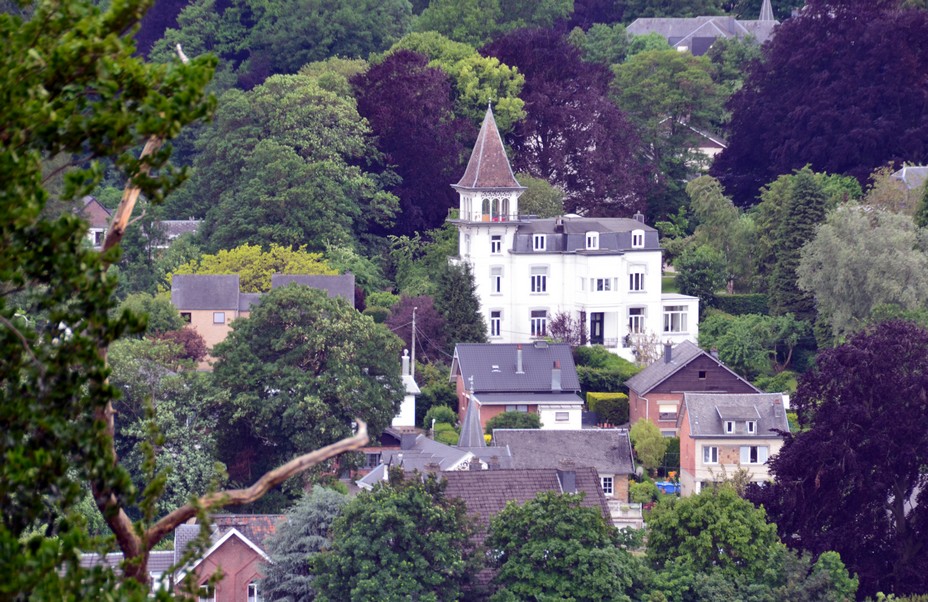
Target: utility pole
412, 365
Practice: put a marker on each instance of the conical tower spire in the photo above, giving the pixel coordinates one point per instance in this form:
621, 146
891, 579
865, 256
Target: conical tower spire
488, 166
766, 12
471, 433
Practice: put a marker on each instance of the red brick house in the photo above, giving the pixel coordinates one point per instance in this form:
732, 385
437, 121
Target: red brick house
656, 392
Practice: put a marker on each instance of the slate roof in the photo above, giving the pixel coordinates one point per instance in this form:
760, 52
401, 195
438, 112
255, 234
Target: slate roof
698, 33
661, 370
706, 413
336, 286
912, 176
471, 431
199, 292
488, 166
606, 450
246, 300
493, 367
567, 234
423, 453
486, 492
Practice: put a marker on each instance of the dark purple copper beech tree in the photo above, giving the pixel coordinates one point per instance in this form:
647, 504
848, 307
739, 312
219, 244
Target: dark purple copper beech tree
573, 136
853, 479
839, 89
411, 110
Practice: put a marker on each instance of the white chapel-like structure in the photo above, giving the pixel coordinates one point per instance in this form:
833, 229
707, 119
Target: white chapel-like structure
605, 273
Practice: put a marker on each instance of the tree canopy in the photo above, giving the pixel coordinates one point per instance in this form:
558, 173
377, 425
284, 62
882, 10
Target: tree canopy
833, 92
298, 371
859, 460
403, 540
568, 114
255, 266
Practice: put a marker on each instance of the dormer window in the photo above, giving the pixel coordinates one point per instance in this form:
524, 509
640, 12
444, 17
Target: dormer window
729, 427
592, 241
637, 239
539, 242
751, 426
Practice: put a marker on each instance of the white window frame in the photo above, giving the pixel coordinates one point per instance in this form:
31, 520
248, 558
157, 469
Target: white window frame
675, 318
496, 280
539, 242
539, 280
521, 407
751, 427
729, 427
601, 285
219, 317
637, 239
496, 322
637, 322
608, 485
710, 454
254, 594
562, 416
206, 593
496, 244
592, 241
754, 454
538, 323
636, 282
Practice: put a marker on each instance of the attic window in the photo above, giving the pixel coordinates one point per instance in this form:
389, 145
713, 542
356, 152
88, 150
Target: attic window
751, 426
637, 239
592, 241
702, 375
539, 242
729, 426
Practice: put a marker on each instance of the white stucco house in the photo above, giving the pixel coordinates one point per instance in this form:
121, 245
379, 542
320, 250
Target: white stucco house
605, 273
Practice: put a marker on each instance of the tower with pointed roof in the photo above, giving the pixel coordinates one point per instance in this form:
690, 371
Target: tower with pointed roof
766, 12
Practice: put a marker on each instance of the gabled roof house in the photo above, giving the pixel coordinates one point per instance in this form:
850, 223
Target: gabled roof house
656, 392
537, 377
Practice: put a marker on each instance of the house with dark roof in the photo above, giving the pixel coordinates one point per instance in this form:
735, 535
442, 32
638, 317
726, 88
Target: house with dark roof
723, 433
604, 274
697, 34
608, 451
210, 302
236, 548
656, 392
538, 377
98, 220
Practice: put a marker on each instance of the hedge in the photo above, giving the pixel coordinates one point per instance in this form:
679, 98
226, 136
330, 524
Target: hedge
610, 408
737, 305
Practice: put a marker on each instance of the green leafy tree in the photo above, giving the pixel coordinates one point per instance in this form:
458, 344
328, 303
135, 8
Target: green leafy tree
715, 529
160, 316
540, 198
805, 209
513, 420
752, 344
646, 43
731, 58
458, 303
292, 147
304, 532
921, 210
649, 443
164, 395
701, 273
601, 43
473, 22
846, 267
255, 266
404, 540
298, 371
553, 548
71, 86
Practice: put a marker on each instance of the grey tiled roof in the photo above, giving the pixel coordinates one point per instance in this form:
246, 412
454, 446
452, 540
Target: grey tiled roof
493, 367
615, 235
471, 432
486, 492
488, 166
159, 561
686, 31
606, 450
183, 535
912, 176
204, 292
659, 371
424, 452
336, 286
705, 411
246, 300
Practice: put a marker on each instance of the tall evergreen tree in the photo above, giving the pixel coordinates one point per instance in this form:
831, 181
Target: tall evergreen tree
458, 303
804, 210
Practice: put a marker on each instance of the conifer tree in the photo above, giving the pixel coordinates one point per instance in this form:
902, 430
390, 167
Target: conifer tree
458, 303
804, 210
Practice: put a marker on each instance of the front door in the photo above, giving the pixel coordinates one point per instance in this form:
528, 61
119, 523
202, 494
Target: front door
596, 328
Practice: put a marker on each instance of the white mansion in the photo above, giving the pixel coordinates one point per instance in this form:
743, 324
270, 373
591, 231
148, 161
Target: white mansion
605, 273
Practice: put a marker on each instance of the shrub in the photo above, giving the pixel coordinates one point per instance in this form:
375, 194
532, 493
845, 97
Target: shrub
382, 299
377, 313
784, 382
611, 408
753, 303
642, 493
445, 433
441, 414
513, 420
192, 345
